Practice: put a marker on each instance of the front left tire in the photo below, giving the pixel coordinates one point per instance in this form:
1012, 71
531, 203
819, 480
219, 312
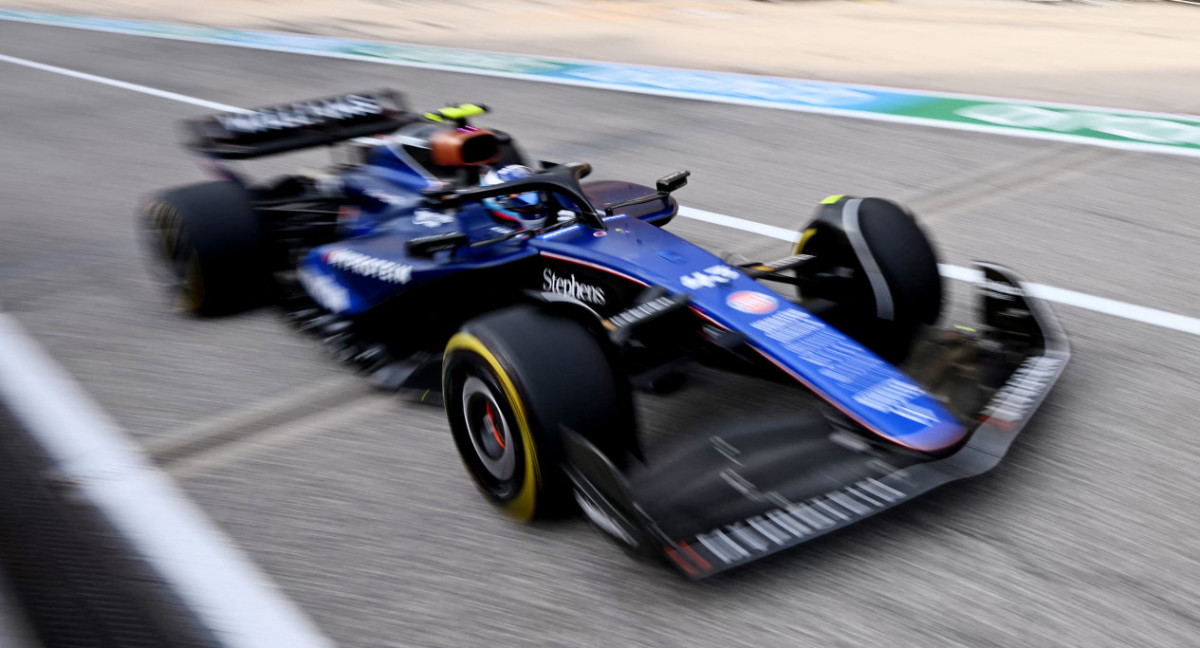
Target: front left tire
512, 382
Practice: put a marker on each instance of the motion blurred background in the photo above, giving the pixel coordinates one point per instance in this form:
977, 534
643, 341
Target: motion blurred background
354, 505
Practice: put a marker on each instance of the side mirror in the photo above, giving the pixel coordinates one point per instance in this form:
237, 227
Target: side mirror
673, 181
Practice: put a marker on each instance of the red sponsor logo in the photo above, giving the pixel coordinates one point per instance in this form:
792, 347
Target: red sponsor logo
755, 303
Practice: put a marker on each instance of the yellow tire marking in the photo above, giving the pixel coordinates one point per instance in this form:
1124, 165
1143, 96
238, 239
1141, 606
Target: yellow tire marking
804, 236
191, 290
166, 220
524, 505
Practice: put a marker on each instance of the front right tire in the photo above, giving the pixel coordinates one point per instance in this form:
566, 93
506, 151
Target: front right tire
878, 269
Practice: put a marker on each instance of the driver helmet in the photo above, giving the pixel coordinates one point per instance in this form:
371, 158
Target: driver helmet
522, 209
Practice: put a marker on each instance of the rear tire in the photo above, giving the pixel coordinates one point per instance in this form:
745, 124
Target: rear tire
511, 381
877, 267
211, 241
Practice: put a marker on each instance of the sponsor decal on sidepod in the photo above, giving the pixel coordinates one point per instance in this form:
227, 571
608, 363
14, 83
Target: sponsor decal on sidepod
368, 266
571, 287
325, 291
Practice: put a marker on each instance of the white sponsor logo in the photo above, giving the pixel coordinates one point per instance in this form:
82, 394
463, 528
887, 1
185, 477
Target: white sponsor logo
1013, 401
709, 277
895, 396
300, 114
1142, 129
570, 287
795, 522
430, 218
603, 521
324, 291
368, 266
641, 312
789, 326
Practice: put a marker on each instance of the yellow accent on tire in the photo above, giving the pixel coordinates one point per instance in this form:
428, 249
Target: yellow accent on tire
166, 220
522, 507
829, 200
191, 288
804, 236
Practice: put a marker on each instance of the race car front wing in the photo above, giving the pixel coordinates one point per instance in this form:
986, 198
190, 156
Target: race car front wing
737, 496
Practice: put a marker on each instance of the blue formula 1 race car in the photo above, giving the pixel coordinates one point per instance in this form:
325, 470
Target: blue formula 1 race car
538, 305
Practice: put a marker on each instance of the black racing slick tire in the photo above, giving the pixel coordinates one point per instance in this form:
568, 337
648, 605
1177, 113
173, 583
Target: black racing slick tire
878, 269
211, 241
512, 381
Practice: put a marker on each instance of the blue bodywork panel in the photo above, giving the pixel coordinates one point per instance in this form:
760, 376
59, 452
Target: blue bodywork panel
370, 264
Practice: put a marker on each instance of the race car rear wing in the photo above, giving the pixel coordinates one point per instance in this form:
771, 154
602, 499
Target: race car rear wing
742, 494
278, 129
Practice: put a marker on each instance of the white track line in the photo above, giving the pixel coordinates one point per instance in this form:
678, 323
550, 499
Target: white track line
1121, 309
124, 85
1104, 305
217, 583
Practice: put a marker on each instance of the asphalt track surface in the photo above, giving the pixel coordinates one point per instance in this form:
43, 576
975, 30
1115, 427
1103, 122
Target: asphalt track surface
356, 503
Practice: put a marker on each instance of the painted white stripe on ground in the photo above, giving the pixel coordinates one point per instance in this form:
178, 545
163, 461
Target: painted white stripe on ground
1104, 305
734, 222
154, 92
1121, 309
217, 583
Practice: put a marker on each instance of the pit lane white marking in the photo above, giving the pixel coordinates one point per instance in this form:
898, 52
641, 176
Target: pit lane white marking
124, 85
1124, 310
217, 583
781, 233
